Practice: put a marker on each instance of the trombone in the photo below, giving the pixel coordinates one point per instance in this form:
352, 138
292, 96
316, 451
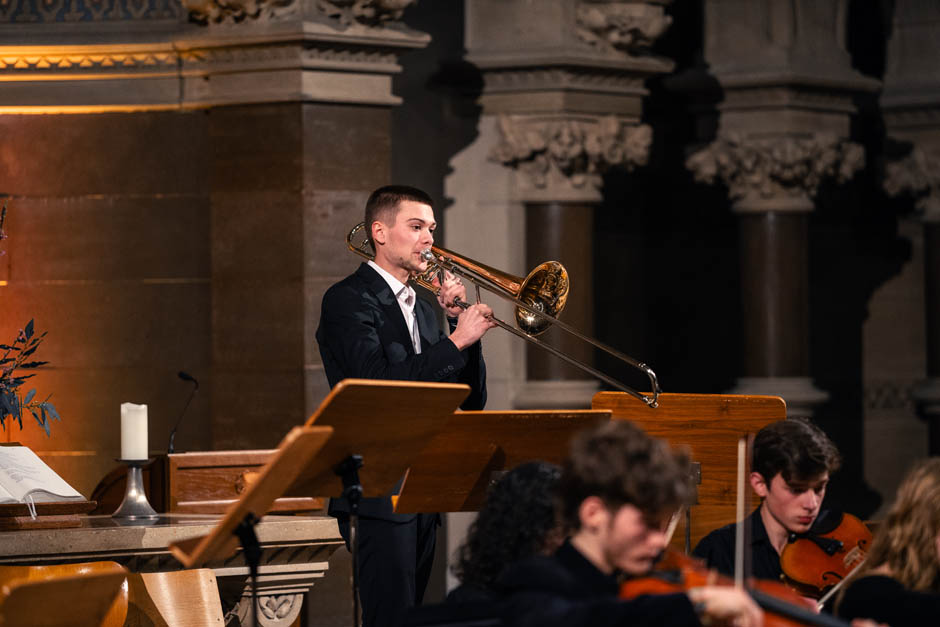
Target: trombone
538, 298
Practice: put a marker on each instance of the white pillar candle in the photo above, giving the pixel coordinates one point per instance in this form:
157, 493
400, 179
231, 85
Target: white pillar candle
133, 431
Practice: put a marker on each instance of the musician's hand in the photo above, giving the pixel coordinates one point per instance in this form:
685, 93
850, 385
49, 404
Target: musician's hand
865, 622
725, 605
471, 325
452, 290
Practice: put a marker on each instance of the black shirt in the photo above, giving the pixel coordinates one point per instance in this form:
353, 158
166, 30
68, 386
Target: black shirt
885, 600
717, 549
566, 590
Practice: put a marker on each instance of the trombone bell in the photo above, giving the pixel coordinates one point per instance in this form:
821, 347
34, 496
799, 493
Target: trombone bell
546, 291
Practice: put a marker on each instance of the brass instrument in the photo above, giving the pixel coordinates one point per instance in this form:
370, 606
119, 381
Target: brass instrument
539, 299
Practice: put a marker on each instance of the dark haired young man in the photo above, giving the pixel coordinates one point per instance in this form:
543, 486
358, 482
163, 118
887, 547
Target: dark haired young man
618, 490
791, 463
372, 326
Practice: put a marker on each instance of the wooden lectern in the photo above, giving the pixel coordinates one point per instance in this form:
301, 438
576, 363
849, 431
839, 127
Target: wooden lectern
384, 423
709, 425
453, 472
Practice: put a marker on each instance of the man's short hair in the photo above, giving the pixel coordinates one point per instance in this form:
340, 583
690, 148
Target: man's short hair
795, 448
383, 203
621, 464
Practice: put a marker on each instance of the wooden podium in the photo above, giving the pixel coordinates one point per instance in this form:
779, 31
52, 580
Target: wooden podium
453, 471
709, 425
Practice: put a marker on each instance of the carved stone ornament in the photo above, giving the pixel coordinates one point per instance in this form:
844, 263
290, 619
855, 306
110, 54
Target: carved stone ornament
366, 12
71, 11
918, 174
768, 168
578, 149
280, 610
629, 27
347, 12
206, 11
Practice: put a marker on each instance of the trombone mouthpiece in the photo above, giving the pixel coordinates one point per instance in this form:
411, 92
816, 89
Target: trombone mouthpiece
427, 255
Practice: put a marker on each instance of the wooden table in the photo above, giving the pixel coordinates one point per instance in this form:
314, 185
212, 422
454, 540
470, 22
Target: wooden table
295, 550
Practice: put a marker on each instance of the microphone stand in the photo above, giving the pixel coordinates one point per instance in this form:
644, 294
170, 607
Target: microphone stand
171, 448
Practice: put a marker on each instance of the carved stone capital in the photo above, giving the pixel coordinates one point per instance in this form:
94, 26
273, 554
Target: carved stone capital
918, 175
366, 12
623, 27
774, 168
217, 11
345, 12
577, 150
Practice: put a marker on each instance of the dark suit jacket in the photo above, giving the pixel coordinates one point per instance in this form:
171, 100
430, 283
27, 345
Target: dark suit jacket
362, 334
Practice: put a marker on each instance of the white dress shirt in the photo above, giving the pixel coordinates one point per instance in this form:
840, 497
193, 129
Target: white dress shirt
405, 294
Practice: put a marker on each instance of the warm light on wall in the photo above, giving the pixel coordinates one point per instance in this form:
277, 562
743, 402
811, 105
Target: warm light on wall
59, 110
123, 78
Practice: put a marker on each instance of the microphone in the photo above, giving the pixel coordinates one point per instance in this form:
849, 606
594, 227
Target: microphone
185, 376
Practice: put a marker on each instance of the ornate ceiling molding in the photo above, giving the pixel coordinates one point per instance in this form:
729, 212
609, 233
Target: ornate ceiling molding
578, 149
783, 166
622, 27
78, 11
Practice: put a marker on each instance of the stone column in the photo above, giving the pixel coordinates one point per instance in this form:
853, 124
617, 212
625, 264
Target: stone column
299, 97
196, 174
786, 97
911, 105
565, 84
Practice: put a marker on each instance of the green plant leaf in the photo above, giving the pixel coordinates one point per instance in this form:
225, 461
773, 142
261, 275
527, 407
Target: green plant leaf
33, 364
29, 396
29, 329
6, 405
50, 409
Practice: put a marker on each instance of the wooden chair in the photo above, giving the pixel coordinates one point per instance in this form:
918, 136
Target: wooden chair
89, 593
183, 598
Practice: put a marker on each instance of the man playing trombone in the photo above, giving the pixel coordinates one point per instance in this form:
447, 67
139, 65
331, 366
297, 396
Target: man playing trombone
372, 326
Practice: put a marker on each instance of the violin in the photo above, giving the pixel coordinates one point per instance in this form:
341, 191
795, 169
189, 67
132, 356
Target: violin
782, 606
814, 563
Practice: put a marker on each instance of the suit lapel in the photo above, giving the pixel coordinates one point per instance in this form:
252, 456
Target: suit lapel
385, 296
427, 325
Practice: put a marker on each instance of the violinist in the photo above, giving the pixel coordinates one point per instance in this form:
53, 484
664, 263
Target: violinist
618, 491
791, 464
899, 583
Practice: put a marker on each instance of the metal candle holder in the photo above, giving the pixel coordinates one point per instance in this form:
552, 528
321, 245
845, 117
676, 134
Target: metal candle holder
135, 505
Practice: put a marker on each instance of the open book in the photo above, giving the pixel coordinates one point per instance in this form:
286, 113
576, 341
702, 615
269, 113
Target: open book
24, 478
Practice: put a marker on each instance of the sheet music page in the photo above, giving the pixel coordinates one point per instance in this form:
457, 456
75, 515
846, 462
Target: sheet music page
23, 473
6, 497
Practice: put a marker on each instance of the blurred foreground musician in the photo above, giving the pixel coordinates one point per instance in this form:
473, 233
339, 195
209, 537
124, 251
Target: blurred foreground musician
792, 462
618, 490
373, 326
899, 583
517, 520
